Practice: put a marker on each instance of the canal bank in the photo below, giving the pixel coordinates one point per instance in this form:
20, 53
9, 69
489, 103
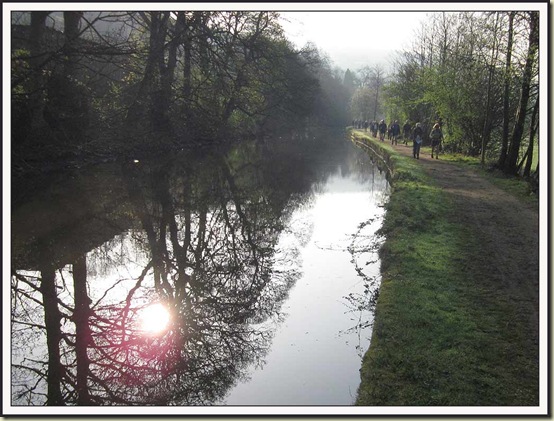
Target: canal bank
456, 323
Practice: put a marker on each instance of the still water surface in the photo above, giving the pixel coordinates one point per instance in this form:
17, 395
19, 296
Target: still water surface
316, 354
243, 278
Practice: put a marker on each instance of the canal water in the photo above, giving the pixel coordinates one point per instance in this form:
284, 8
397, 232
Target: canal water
316, 353
238, 278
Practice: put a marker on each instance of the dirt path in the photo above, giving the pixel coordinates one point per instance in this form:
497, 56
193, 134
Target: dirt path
507, 229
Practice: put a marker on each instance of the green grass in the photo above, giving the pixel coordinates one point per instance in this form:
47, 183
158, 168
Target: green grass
443, 333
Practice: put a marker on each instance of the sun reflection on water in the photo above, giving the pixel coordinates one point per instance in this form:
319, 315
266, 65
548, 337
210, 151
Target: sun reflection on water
154, 319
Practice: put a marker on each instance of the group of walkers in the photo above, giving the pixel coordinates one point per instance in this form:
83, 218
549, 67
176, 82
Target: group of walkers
392, 132
435, 136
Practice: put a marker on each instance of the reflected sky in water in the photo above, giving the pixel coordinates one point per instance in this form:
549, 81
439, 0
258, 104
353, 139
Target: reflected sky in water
316, 354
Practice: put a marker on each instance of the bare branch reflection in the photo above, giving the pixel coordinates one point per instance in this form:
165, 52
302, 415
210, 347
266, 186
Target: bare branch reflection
203, 248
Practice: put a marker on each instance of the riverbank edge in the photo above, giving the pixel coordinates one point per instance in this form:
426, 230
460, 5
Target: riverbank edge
431, 342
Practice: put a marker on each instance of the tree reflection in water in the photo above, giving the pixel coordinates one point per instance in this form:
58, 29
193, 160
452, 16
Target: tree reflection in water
204, 242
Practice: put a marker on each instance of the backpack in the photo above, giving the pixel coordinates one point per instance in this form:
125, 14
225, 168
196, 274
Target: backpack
436, 134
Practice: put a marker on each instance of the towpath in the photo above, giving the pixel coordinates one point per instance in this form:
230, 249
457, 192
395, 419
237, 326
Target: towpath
507, 229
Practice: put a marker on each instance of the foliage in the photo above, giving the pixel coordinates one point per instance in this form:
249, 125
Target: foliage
194, 77
457, 71
361, 103
366, 102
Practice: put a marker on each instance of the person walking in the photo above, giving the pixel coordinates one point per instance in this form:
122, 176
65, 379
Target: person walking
395, 132
418, 139
382, 130
374, 128
436, 139
407, 129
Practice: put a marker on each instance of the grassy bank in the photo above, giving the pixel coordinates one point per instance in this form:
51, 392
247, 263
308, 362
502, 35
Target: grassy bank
443, 335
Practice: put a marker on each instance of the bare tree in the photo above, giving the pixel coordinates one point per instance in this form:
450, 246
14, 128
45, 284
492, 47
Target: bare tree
52, 320
533, 130
377, 80
517, 133
506, 95
492, 65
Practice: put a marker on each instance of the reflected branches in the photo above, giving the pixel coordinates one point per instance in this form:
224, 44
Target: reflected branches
364, 249
204, 248
210, 238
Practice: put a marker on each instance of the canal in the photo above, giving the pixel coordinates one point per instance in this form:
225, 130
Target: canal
244, 277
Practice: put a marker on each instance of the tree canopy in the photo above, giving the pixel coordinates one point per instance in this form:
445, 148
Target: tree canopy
474, 72
99, 83
478, 72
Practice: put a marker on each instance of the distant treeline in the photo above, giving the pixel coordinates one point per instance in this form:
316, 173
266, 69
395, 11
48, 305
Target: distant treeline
95, 84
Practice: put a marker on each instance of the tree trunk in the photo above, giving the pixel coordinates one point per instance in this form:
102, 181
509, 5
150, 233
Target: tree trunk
82, 328
520, 164
150, 87
52, 320
187, 65
533, 180
506, 105
162, 91
485, 137
168, 71
159, 104
71, 30
36, 88
532, 132
513, 151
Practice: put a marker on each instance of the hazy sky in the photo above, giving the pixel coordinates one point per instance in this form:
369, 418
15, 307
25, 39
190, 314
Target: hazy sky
353, 39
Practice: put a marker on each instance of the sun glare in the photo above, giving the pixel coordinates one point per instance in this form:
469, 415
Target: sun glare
154, 319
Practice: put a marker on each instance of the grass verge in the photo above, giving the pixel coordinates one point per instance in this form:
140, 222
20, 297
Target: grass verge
443, 334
